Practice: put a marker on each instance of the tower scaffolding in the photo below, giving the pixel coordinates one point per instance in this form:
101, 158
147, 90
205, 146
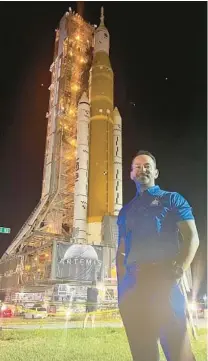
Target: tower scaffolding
53, 216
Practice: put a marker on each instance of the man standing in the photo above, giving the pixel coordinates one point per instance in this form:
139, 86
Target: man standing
92, 303
150, 264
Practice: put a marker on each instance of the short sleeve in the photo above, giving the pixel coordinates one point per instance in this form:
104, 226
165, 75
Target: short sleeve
181, 208
121, 222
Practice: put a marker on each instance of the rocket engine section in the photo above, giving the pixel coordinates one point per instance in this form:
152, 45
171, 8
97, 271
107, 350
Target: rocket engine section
81, 179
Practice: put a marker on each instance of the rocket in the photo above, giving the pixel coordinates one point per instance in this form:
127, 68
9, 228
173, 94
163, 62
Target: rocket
105, 169
88, 196
82, 180
98, 183
81, 177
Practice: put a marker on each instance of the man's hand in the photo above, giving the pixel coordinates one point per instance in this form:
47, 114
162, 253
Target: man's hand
174, 272
168, 270
189, 245
120, 260
174, 269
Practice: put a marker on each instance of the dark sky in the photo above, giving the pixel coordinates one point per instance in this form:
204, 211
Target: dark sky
150, 41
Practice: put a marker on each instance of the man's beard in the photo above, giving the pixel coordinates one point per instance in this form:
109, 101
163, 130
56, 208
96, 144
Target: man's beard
143, 178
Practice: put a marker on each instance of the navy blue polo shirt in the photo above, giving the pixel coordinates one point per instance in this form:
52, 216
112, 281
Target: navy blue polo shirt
148, 225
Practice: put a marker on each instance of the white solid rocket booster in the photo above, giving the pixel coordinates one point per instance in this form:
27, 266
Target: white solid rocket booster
117, 161
82, 161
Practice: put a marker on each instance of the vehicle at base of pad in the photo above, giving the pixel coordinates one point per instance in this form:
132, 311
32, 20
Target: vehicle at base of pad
36, 312
5, 311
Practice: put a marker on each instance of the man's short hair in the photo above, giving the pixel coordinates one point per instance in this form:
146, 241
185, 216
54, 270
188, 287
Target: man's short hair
145, 152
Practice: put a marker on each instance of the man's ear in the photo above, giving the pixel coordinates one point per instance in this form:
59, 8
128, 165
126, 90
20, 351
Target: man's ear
156, 173
131, 175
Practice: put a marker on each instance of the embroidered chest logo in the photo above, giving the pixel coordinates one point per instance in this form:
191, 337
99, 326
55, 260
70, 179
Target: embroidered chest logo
155, 202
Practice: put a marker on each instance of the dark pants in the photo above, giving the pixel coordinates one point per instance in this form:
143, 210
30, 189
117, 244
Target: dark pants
91, 307
152, 308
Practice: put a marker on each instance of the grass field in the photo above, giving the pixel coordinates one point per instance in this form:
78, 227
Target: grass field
98, 344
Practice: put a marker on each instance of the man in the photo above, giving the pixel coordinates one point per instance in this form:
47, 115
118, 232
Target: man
92, 304
150, 264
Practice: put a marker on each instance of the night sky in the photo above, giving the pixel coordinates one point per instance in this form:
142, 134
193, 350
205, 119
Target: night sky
158, 54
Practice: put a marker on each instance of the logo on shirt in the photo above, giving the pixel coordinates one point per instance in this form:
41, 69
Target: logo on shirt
155, 202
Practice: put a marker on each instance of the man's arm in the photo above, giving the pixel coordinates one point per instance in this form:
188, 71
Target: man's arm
190, 243
120, 259
120, 255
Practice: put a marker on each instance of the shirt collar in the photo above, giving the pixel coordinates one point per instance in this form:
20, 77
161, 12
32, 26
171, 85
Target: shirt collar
155, 190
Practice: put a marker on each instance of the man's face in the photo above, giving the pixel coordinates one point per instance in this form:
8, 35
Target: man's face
144, 170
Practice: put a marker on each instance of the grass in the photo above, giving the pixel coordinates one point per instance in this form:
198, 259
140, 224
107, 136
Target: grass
98, 344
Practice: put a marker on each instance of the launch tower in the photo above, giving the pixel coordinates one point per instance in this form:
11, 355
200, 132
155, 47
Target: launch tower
82, 176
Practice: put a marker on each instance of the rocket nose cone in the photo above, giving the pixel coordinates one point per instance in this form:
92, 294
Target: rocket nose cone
84, 98
116, 112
